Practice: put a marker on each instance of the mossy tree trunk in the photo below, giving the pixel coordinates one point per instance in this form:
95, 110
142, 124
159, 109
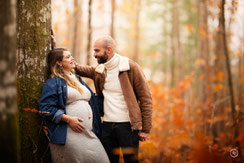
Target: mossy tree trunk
33, 44
8, 103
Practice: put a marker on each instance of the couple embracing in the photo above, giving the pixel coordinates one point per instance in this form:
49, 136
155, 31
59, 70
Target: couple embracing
72, 111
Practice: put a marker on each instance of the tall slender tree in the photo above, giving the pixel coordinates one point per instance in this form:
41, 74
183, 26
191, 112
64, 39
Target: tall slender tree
230, 83
8, 103
89, 37
176, 71
113, 7
137, 29
219, 96
203, 50
77, 30
33, 44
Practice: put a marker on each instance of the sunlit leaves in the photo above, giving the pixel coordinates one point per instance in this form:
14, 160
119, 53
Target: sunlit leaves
67, 12
203, 33
177, 140
200, 62
218, 87
149, 150
184, 84
217, 119
189, 28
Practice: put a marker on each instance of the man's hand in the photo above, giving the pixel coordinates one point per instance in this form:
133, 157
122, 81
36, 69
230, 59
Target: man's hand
142, 136
53, 41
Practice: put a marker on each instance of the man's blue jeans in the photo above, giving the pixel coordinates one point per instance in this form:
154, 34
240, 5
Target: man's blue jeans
116, 135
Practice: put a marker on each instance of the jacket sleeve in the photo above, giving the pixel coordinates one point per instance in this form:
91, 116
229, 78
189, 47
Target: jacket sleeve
85, 71
48, 106
144, 97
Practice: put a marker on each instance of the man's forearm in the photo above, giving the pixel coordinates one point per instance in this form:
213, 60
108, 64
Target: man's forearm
85, 71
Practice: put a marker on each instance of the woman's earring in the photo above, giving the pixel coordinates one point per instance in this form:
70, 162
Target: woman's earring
60, 66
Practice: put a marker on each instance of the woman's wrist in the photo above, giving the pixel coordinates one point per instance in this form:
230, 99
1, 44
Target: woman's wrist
66, 118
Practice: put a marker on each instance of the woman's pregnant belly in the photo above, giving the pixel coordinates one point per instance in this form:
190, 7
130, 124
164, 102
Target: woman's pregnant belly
82, 110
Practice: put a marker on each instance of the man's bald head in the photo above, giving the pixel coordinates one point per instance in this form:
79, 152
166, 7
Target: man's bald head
106, 41
104, 47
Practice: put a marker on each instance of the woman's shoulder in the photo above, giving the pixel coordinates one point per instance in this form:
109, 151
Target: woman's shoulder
53, 81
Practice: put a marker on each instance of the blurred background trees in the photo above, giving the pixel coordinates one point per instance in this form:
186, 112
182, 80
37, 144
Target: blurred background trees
8, 93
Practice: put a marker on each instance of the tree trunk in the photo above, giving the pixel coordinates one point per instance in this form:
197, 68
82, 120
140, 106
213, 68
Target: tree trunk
113, 5
240, 74
33, 44
176, 40
218, 68
226, 53
228, 67
77, 28
137, 30
172, 64
203, 48
8, 104
88, 62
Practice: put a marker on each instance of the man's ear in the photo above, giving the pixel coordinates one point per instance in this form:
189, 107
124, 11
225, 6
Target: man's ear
59, 63
109, 48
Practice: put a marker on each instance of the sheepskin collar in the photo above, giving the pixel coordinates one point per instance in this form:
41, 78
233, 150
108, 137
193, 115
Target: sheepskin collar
123, 65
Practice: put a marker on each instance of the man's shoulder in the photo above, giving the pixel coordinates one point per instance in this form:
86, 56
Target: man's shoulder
133, 65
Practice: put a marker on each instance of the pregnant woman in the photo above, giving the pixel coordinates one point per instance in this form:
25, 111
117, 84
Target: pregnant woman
66, 105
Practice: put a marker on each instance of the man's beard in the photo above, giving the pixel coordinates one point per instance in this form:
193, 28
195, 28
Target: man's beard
102, 59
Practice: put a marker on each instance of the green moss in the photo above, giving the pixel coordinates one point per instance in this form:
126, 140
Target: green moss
33, 141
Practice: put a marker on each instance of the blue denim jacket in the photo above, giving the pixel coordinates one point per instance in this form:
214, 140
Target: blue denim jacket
53, 105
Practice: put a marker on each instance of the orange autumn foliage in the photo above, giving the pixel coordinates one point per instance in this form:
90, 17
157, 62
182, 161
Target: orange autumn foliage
178, 129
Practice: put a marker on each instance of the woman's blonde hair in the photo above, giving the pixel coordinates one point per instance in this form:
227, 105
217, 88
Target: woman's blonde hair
54, 69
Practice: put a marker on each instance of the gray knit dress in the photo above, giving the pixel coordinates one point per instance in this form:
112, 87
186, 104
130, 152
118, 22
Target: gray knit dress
82, 147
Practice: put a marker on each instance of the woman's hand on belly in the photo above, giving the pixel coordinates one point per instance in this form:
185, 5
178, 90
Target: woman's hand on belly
75, 124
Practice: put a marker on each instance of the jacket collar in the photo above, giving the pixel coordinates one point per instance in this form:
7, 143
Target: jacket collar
123, 65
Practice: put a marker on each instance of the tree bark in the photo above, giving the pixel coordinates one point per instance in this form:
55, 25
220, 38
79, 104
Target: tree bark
8, 103
33, 44
88, 58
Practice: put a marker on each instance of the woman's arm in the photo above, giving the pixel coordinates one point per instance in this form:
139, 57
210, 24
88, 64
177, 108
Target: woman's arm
49, 108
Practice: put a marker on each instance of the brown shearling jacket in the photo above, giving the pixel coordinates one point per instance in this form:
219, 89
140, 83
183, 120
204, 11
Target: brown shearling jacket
134, 87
